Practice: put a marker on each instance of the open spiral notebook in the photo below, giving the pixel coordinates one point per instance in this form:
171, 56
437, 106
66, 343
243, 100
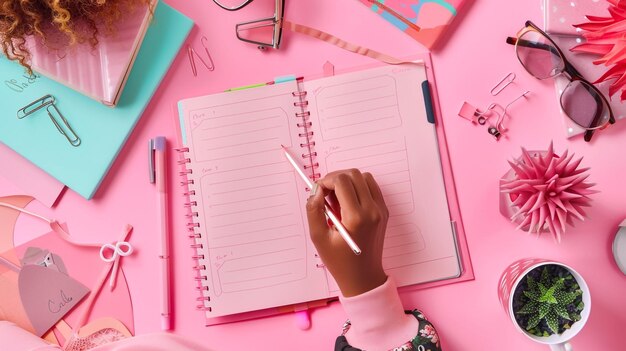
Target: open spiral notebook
247, 205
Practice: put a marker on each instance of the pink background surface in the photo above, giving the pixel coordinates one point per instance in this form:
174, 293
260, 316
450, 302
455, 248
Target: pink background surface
475, 57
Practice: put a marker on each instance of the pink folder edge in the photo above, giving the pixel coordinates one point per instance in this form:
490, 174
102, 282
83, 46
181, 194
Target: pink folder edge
29, 178
467, 271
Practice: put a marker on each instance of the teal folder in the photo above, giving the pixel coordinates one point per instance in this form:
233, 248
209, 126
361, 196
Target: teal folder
103, 130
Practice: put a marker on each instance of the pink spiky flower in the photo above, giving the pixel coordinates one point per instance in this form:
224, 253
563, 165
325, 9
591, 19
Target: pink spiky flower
606, 36
547, 191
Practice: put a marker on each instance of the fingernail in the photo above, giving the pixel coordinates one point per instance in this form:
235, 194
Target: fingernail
313, 190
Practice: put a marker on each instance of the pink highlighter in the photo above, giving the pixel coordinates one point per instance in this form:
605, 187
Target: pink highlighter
157, 175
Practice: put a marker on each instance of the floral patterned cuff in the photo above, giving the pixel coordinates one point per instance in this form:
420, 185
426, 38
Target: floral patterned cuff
426, 339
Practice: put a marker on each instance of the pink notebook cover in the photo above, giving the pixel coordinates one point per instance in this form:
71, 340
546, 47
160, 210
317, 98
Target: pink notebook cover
253, 239
559, 16
424, 21
101, 72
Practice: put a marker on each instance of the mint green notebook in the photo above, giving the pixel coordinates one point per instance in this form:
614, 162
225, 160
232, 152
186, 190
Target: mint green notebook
103, 130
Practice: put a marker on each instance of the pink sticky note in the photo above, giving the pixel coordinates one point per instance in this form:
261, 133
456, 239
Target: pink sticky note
29, 178
48, 295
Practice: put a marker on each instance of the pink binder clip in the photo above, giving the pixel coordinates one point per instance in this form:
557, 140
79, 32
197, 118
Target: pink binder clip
474, 115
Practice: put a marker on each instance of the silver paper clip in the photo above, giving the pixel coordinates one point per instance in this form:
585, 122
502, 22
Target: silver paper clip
55, 115
35, 106
499, 128
505, 82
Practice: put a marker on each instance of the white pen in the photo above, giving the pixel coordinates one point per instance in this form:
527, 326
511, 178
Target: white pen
157, 175
327, 209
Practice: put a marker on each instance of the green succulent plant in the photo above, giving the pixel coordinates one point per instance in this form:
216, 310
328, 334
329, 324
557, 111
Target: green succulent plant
550, 304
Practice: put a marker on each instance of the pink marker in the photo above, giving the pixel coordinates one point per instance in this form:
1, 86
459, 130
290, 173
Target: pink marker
157, 175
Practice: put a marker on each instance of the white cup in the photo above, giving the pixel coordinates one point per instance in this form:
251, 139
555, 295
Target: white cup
509, 281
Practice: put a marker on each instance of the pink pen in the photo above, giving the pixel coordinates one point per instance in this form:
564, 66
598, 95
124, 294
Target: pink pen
157, 175
327, 209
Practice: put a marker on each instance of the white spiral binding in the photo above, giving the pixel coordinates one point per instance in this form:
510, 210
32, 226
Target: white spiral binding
309, 154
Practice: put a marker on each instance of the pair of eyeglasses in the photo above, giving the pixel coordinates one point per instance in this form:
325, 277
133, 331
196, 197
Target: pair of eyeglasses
581, 101
265, 32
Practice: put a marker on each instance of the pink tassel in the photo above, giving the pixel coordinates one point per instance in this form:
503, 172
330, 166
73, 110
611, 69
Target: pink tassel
613, 72
596, 49
618, 12
606, 38
614, 2
594, 25
616, 55
617, 85
596, 19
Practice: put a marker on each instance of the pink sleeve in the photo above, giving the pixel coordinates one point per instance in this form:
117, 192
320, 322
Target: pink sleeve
378, 319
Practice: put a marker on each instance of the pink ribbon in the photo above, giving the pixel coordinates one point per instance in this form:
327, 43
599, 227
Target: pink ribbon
331, 39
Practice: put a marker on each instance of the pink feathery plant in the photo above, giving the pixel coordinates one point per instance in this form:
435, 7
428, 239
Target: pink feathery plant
606, 36
547, 191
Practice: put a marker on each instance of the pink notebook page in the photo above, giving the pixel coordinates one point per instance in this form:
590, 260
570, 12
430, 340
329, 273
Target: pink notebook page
375, 120
29, 178
251, 203
99, 72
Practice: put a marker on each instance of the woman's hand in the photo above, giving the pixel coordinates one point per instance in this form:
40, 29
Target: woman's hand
361, 207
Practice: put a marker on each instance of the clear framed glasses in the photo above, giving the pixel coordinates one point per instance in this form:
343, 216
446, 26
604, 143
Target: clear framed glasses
581, 101
265, 32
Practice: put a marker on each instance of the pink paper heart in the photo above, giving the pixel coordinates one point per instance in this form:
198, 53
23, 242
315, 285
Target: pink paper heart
48, 295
